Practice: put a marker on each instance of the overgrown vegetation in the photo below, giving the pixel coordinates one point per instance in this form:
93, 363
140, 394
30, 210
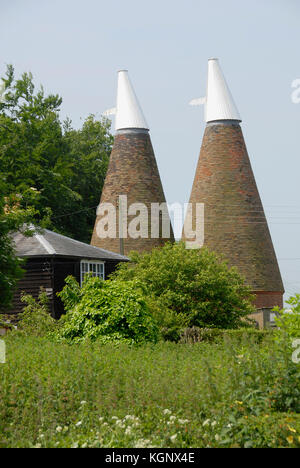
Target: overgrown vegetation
288, 322
230, 394
189, 288
107, 311
91, 388
35, 320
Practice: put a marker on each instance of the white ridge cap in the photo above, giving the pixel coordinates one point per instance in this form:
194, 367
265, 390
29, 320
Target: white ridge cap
219, 101
128, 110
47, 246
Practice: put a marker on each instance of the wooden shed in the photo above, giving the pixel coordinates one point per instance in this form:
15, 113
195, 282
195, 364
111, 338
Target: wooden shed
50, 258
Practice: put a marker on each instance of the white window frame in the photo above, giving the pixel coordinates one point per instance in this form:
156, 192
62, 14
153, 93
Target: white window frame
96, 267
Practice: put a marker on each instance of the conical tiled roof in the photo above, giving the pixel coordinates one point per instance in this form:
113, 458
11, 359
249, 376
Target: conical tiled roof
133, 173
234, 220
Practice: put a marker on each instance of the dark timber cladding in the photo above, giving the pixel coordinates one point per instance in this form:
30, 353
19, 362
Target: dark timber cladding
37, 275
49, 259
235, 223
133, 172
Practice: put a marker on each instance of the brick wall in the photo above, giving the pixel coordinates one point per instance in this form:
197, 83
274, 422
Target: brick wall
133, 172
268, 299
235, 223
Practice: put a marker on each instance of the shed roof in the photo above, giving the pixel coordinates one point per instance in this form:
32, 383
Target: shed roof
49, 243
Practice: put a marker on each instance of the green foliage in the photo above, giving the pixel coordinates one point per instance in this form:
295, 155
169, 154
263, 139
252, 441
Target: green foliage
109, 311
35, 320
196, 284
12, 218
170, 323
289, 322
10, 271
226, 394
263, 431
52, 167
215, 335
89, 149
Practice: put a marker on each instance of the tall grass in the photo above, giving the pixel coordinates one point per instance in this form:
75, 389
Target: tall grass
165, 395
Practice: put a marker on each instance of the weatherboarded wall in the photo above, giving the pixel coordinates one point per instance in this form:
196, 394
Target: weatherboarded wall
37, 274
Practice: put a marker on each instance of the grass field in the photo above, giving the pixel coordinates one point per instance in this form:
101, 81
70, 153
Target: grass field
166, 395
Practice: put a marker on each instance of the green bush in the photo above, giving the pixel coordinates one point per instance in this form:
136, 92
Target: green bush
288, 323
36, 319
169, 322
107, 311
195, 284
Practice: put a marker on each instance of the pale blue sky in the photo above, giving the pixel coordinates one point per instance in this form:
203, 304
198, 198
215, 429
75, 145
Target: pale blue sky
75, 47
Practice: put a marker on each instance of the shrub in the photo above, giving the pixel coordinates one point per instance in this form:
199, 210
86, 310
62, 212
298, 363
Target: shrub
288, 322
195, 284
106, 311
36, 319
169, 322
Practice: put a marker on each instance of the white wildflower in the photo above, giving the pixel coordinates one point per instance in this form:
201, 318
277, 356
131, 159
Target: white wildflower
130, 417
78, 423
83, 402
173, 438
207, 421
217, 437
167, 411
59, 429
142, 443
213, 423
120, 423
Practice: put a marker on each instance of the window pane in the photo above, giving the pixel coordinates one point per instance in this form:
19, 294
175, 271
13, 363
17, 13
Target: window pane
95, 268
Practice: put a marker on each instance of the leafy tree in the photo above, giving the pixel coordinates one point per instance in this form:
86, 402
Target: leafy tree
12, 218
89, 149
56, 169
106, 311
195, 284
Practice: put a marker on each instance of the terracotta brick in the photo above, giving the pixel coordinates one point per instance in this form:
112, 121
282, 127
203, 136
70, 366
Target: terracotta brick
133, 172
235, 223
